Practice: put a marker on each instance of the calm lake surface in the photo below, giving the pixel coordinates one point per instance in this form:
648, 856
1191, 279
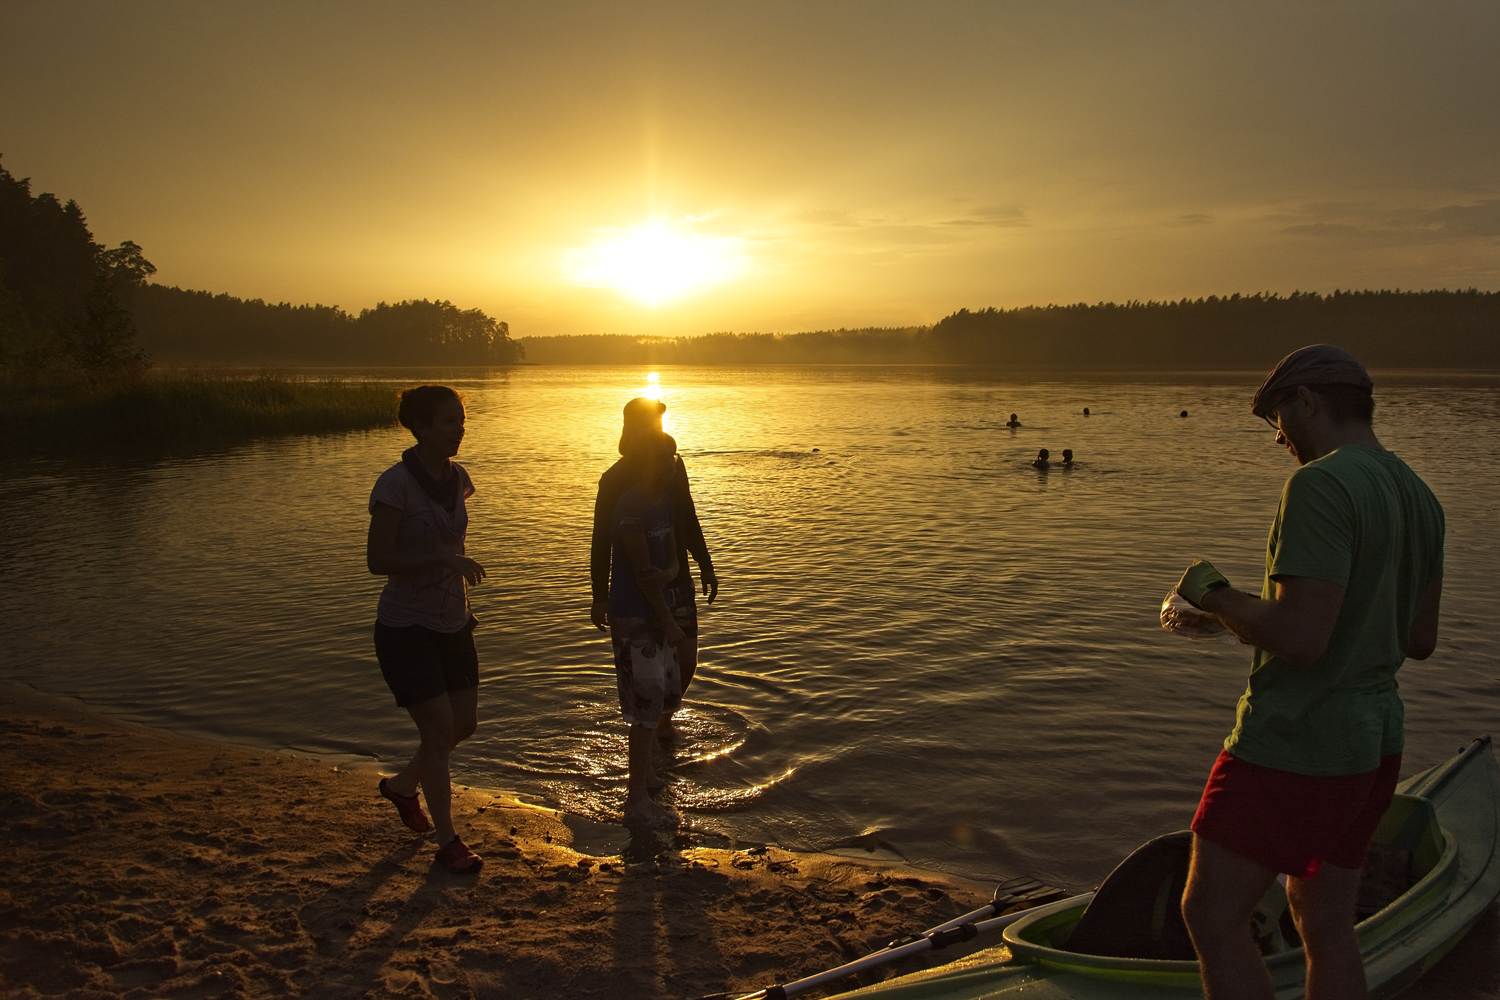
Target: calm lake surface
919, 640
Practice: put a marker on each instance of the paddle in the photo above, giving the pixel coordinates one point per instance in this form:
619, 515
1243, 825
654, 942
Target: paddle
984, 920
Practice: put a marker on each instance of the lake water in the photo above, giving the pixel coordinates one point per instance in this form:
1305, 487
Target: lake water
919, 640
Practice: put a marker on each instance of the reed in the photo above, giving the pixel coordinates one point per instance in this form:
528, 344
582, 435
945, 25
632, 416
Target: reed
175, 411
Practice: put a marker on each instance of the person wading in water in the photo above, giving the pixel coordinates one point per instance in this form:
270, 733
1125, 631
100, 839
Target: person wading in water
645, 631
642, 420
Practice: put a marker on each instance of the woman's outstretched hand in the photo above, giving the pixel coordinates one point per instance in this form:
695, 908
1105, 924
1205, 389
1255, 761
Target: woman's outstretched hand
467, 568
599, 615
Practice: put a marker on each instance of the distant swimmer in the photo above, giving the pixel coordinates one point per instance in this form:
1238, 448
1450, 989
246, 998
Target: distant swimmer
1067, 458
1085, 411
1013, 421
1183, 413
1042, 460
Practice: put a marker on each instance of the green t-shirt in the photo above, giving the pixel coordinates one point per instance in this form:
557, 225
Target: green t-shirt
1361, 518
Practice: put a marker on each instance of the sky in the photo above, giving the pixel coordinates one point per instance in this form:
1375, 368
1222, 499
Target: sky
677, 169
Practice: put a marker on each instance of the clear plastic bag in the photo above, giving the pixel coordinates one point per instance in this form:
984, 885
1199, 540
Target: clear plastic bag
1180, 617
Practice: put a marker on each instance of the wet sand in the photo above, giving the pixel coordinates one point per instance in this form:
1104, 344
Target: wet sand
143, 864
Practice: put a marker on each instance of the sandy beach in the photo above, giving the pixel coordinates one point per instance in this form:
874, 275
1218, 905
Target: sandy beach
145, 864
141, 863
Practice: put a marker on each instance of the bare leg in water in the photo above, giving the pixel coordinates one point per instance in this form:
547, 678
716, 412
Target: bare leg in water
640, 808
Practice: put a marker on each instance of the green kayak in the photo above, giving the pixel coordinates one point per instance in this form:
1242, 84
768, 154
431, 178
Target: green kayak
1443, 827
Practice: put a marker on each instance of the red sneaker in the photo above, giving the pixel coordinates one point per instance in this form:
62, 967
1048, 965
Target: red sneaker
409, 807
457, 858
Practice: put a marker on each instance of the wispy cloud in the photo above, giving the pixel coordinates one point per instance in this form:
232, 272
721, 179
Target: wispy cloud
899, 234
1478, 219
897, 231
1371, 223
997, 216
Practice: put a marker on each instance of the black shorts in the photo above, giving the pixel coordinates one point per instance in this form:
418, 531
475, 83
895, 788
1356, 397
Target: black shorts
419, 664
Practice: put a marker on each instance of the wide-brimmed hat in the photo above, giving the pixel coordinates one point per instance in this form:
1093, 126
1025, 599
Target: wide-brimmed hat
1315, 364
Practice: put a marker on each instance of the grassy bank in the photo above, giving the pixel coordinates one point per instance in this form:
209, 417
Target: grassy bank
173, 412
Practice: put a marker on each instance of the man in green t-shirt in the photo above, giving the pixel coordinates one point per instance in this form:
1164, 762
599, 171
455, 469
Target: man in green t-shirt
1354, 576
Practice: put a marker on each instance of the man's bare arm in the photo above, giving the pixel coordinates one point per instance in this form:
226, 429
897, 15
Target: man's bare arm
1422, 639
1296, 625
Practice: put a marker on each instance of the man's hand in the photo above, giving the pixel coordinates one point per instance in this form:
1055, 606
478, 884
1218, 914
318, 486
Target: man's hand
710, 582
1200, 578
599, 615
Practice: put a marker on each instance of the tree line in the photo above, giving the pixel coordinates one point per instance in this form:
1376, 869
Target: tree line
875, 345
71, 307
1391, 329
1387, 329
64, 298
181, 325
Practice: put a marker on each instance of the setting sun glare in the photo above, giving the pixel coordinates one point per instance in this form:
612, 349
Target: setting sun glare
656, 263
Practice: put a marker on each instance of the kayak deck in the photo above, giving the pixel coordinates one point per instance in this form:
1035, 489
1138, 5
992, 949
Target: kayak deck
1446, 820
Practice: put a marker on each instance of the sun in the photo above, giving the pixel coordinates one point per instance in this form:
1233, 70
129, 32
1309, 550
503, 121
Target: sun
656, 262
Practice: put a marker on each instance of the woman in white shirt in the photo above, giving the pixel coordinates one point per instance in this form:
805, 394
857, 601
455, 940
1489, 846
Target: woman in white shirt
424, 631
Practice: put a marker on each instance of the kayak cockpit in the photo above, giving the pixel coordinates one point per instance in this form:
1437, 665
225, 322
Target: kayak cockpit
1131, 929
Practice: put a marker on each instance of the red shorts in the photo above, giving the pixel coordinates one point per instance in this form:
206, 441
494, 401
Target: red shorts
1290, 822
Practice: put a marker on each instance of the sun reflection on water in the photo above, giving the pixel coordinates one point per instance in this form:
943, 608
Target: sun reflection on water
652, 390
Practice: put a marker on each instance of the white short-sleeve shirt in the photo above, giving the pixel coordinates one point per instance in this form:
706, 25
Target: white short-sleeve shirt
435, 597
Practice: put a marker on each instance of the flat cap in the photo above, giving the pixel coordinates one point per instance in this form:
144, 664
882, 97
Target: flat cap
1315, 364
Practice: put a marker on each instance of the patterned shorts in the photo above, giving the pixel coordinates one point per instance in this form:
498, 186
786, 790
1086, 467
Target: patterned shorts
646, 672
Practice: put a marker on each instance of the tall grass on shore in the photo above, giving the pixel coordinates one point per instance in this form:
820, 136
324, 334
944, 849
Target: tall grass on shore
177, 411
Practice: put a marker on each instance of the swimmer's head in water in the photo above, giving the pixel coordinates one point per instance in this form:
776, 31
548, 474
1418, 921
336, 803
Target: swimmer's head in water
1067, 454
1183, 413
1085, 411
1043, 454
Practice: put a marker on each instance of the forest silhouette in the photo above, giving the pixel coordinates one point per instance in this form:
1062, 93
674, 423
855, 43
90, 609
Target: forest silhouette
64, 299
1389, 329
178, 325
72, 308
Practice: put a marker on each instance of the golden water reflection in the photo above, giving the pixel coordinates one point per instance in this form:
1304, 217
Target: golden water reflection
915, 634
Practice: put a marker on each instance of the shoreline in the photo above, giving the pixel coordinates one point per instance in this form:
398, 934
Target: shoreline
147, 863
161, 414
